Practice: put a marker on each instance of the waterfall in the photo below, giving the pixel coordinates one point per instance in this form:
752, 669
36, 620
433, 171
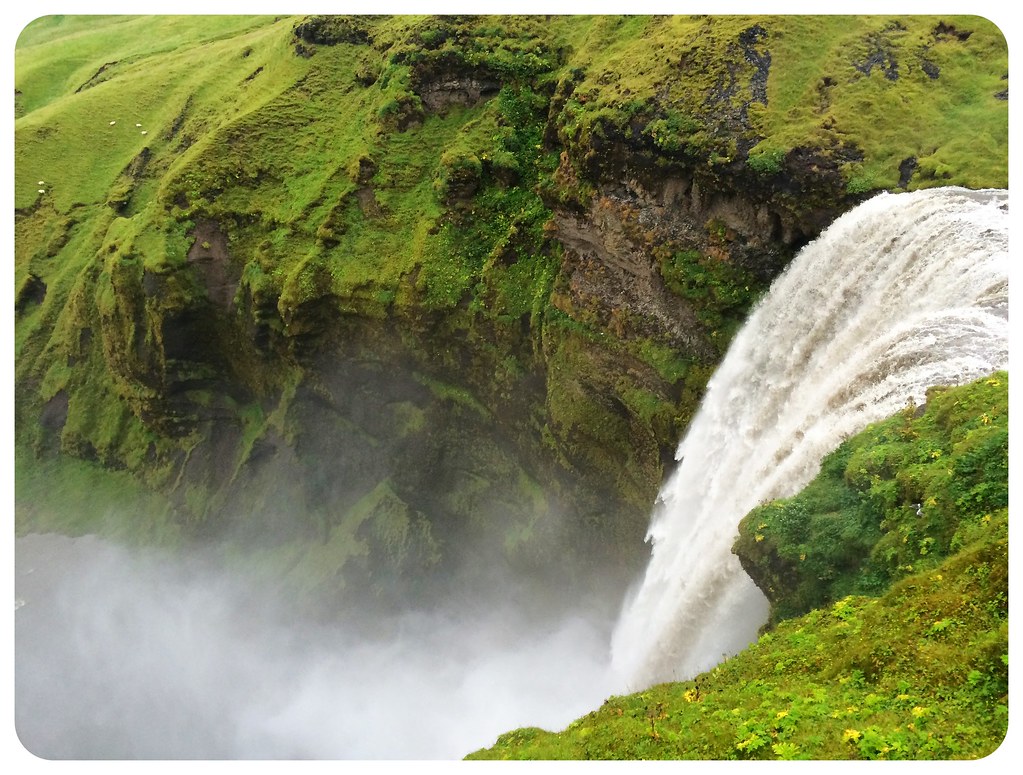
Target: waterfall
904, 292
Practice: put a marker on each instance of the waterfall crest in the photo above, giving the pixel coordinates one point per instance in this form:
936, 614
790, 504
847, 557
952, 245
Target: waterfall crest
904, 292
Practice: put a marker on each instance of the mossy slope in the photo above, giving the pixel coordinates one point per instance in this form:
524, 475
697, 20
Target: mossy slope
918, 670
897, 499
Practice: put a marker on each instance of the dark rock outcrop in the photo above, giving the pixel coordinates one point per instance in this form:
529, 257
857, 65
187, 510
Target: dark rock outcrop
906, 170
32, 291
212, 261
446, 89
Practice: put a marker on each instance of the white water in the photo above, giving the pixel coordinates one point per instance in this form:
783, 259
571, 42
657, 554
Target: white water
904, 292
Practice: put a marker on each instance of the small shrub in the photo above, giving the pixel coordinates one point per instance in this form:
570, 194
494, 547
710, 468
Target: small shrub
767, 162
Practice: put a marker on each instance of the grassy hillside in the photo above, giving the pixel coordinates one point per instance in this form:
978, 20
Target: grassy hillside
916, 669
865, 93
232, 232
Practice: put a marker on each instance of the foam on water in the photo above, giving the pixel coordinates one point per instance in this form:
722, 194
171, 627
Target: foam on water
904, 292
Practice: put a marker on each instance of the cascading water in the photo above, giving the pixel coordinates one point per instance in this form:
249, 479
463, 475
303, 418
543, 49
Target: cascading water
904, 292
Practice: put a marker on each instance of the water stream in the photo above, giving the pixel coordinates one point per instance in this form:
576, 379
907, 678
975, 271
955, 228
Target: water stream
904, 292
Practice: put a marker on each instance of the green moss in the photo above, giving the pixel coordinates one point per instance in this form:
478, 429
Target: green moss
816, 91
406, 539
666, 360
459, 174
454, 394
597, 418
304, 567
78, 497
919, 671
896, 499
687, 87
721, 292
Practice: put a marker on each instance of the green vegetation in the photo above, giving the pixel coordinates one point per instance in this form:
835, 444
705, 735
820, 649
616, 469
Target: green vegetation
916, 670
897, 499
723, 292
78, 497
815, 94
556, 224
859, 94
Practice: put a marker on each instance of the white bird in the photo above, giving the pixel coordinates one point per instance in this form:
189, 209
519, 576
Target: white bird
143, 131
138, 125
42, 191
112, 123
41, 182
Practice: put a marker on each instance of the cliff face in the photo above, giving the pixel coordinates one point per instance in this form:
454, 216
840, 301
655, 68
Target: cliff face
393, 286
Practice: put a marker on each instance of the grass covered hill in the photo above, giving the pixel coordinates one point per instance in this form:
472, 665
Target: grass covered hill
889, 637
275, 271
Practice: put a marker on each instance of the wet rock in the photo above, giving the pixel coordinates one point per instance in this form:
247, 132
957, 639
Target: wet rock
54, 413
907, 167
931, 69
403, 113
95, 79
943, 31
366, 170
761, 61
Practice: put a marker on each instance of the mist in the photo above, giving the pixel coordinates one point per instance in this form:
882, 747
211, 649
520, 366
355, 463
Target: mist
129, 653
